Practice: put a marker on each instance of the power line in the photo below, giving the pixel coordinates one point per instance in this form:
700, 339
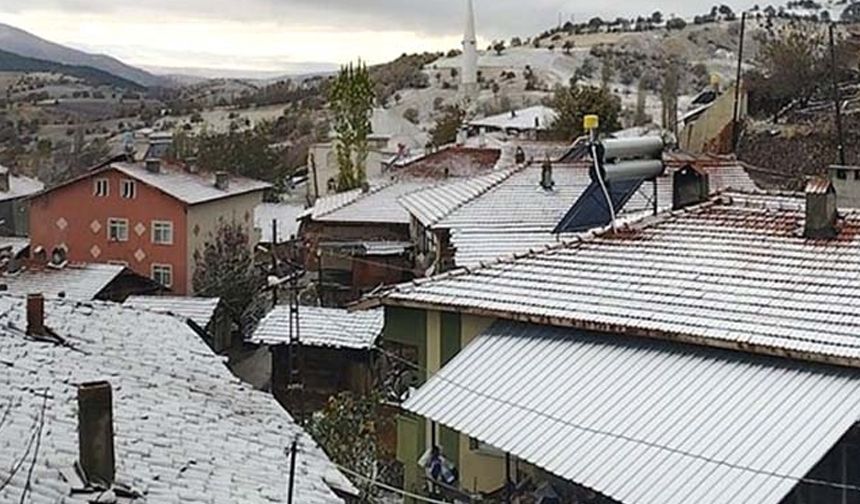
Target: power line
390, 488
650, 444
36, 451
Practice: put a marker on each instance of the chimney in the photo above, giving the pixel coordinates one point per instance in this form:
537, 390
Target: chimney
222, 180
95, 433
4, 179
153, 165
546, 181
191, 165
35, 315
821, 212
689, 187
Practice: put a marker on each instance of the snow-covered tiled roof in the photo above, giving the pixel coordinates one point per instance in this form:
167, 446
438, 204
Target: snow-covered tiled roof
20, 186
733, 272
199, 310
517, 215
377, 205
14, 244
430, 205
186, 430
322, 327
191, 188
287, 216
81, 282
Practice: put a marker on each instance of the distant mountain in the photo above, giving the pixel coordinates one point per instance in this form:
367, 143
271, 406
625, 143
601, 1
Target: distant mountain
10, 62
17, 41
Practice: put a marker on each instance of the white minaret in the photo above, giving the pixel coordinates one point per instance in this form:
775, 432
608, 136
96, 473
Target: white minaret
469, 72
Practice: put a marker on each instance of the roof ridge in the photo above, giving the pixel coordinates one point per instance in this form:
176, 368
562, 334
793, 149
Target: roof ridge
362, 194
504, 173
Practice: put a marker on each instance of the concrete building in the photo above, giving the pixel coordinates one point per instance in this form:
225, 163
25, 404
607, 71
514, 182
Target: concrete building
15, 191
323, 169
704, 355
151, 218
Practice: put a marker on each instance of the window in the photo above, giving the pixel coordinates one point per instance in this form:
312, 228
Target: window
163, 274
842, 174
129, 189
162, 232
118, 230
101, 187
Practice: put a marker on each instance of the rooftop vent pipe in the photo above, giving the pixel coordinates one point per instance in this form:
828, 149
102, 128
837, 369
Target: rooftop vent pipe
546, 181
95, 433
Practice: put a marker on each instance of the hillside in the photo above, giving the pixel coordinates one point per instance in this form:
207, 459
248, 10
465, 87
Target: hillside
17, 41
10, 62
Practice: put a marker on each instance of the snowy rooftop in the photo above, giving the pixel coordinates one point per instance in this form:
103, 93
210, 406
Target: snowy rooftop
186, 429
79, 282
191, 188
377, 205
198, 310
734, 272
323, 327
20, 186
539, 117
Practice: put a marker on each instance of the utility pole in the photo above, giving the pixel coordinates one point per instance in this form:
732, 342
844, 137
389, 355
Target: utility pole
295, 363
837, 99
736, 117
274, 260
294, 448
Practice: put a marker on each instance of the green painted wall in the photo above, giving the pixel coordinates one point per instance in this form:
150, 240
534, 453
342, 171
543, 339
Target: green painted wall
450, 336
408, 327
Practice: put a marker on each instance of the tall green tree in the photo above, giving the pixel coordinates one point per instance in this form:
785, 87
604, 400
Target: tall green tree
352, 105
445, 130
224, 268
574, 102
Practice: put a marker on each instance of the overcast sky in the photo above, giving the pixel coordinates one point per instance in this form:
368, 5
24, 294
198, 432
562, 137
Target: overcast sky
275, 35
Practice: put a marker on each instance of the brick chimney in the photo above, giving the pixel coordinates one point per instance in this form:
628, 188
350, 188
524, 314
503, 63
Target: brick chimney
690, 186
4, 179
153, 165
222, 180
821, 212
95, 433
35, 315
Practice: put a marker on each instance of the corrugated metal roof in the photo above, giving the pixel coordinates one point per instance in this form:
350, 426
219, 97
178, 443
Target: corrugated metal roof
191, 188
644, 421
198, 310
323, 327
14, 244
186, 429
430, 205
286, 215
78, 282
727, 274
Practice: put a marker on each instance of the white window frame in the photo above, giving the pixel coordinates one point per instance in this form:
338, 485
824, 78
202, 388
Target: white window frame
100, 183
162, 268
128, 189
118, 221
155, 225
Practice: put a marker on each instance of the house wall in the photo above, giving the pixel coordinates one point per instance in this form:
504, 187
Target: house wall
205, 219
14, 217
445, 335
712, 131
72, 217
324, 159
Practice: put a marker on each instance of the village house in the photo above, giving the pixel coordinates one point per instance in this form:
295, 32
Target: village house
337, 351
701, 355
150, 217
103, 403
358, 240
15, 191
463, 223
532, 123
207, 316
